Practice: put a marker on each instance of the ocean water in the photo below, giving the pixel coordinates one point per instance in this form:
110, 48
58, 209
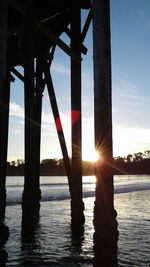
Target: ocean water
53, 244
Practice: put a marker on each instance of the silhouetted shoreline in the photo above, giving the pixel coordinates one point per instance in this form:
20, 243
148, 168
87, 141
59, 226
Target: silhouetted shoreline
138, 163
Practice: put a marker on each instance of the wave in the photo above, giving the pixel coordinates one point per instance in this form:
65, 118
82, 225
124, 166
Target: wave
131, 189
14, 200
46, 184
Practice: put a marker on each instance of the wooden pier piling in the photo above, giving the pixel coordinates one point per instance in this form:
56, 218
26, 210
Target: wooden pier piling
4, 103
33, 104
77, 205
4, 111
104, 213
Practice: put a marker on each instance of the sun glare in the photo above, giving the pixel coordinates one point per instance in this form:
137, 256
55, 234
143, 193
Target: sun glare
91, 156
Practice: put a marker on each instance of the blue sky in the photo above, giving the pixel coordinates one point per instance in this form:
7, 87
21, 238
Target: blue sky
130, 41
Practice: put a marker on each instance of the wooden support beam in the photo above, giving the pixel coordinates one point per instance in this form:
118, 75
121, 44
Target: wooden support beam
83, 48
27, 201
77, 205
4, 120
18, 74
104, 213
47, 32
56, 40
86, 25
84, 32
58, 123
4, 104
38, 94
4, 113
31, 193
29, 100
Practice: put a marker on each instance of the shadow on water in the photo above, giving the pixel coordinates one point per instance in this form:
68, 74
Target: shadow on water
29, 250
77, 255
76, 244
29, 242
4, 234
105, 248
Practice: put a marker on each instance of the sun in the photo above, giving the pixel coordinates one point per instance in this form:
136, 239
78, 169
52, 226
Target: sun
91, 155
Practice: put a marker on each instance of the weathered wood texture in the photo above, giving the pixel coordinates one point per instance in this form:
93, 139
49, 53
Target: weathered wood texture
4, 103
104, 214
77, 205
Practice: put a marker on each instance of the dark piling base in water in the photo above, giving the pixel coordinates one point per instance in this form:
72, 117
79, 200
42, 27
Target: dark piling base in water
77, 230
28, 227
4, 233
30, 212
105, 248
77, 218
3, 257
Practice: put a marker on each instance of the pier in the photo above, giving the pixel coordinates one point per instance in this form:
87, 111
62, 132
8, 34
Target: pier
29, 33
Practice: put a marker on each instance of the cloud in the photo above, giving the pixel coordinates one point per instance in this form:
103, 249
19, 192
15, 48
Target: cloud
16, 110
48, 123
130, 139
127, 93
87, 80
88, 120
124, 87
17, 131
60, 68
47, 118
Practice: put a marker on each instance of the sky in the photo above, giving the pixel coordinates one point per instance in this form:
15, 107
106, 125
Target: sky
130, 50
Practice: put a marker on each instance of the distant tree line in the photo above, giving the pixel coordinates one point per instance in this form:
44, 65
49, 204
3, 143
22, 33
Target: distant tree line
47, 167
137, 163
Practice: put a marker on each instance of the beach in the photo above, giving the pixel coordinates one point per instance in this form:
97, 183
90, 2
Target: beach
53, 244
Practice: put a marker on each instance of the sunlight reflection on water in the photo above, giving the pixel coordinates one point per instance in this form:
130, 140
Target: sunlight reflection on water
89, 179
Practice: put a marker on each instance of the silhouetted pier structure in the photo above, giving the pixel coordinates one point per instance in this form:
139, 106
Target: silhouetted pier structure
29, 32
